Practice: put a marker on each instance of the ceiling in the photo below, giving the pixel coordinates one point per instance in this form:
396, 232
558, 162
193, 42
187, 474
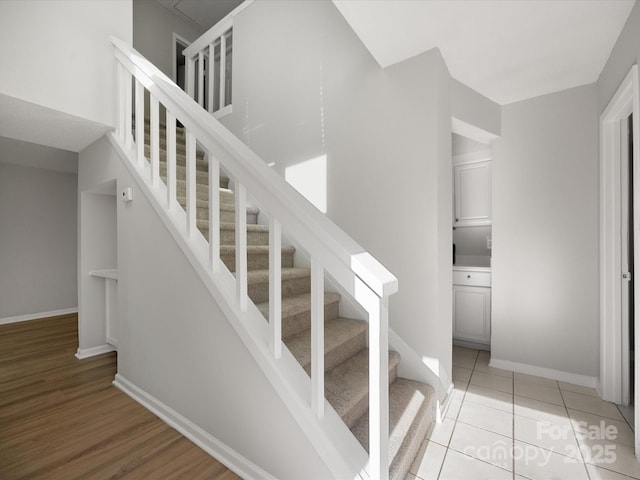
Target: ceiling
204, 13
507, 50
37, 124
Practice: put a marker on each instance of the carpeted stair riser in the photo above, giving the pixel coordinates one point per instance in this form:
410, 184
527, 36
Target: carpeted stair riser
347, 385
410, 406
343, 338
257, 257
294, 282
296, 312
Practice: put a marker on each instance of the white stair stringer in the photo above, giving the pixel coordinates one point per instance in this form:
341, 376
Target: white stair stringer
331, 438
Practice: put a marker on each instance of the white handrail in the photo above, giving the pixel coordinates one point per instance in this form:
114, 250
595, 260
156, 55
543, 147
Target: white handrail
331, 250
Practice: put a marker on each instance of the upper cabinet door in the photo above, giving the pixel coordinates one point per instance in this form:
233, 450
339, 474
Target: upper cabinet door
472, 194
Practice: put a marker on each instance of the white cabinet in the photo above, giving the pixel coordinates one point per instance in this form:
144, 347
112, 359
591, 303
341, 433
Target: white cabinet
472, 193
472, 306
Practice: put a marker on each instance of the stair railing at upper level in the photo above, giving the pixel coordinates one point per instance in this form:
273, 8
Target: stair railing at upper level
209, 62
330, 249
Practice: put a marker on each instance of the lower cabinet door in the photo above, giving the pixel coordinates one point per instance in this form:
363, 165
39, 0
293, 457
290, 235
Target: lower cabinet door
472, 313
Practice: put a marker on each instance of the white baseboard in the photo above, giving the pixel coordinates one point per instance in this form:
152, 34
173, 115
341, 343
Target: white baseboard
37, 316
226, 455
83, 353
442, 407
575, 378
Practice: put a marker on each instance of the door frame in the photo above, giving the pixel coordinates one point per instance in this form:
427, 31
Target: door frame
174, 54
624, 103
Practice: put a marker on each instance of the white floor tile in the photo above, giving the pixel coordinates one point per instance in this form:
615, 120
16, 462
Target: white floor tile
616, 457
593, 429
461, 374
599, 473
497, 421
570, 387
441, 431
483, 445
494, 382
428, 461
545, 412
490, 398
595, 405
456, 403
457, 466
538, 392
539, 464
465, 359
557, 438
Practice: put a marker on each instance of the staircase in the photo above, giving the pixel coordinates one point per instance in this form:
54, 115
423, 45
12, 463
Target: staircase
411, 403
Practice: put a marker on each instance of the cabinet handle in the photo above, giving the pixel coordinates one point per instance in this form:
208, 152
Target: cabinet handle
468, 276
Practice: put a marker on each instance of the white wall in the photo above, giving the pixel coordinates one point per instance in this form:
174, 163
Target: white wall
57, 54
483, 115
387, 138
38, 225
153, 28
176, 344
545, 233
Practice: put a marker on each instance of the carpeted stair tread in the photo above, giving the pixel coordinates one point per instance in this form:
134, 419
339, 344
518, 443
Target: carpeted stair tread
343, 338
347, 385
202, 193
254, 249
262, 276
295, 281
410, 409
251, 227
257, 259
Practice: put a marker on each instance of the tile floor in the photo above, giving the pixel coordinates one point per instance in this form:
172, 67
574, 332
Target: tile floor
505, 425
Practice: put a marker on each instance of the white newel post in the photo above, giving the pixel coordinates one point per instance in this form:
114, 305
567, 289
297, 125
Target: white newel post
379, 388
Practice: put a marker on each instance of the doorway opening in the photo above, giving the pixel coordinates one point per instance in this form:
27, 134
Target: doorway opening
619, 227
179, 44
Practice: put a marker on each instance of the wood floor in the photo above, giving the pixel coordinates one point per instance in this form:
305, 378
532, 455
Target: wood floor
61, 418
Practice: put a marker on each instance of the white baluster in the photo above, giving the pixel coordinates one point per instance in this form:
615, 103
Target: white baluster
210, 75
190, 141
241, 246
275, 287
171, 160
120, 93
378, 387
140, 123
317, 338
128, 105
155, 141
191, 77
200, 78
214, 213
223, 73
